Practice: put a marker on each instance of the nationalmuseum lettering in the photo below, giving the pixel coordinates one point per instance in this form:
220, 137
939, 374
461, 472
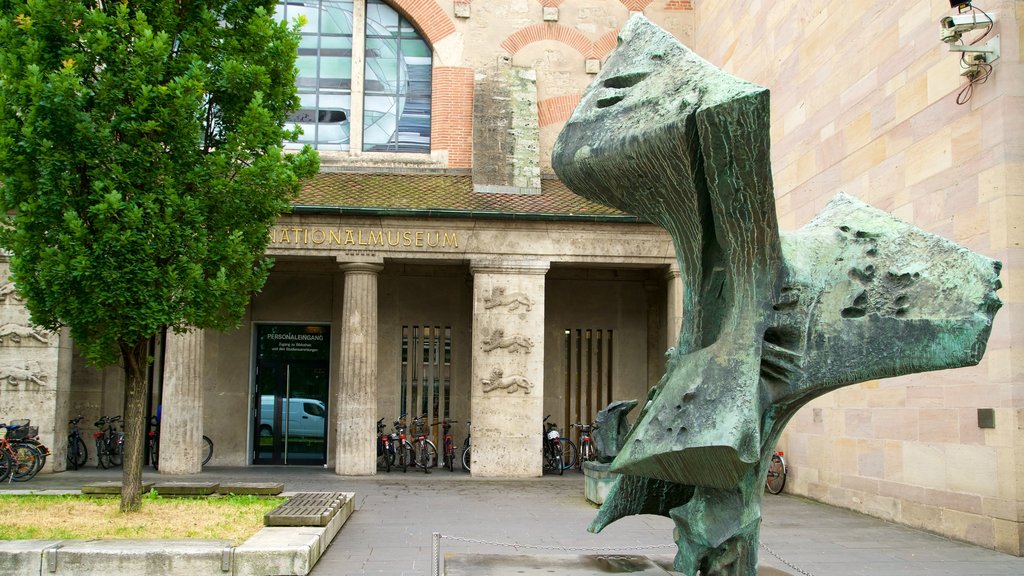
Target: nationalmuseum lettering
364, 237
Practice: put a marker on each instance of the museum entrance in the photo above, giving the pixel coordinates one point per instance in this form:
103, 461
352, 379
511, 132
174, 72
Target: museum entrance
290, 396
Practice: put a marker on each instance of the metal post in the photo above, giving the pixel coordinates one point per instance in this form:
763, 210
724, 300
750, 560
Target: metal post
435, 554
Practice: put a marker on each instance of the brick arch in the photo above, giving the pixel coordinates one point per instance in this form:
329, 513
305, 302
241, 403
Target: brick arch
556, 109
549, 31
605, 44
432, 22
636, 5
550, 3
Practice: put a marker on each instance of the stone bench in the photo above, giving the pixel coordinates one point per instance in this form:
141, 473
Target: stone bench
308, 509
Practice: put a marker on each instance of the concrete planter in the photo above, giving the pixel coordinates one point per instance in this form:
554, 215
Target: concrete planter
597, 481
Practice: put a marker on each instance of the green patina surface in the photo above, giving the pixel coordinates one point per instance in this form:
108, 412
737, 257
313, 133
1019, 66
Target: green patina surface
771, 320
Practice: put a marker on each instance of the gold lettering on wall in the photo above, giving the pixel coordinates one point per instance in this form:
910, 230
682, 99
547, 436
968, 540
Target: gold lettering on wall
296, 236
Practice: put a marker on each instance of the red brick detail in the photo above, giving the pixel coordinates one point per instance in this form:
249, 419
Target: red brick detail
557, 109
549, 31
679, 5
432, 22
550, 3
451, 118
605, 44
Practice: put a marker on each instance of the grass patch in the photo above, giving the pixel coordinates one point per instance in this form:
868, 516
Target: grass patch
66, 517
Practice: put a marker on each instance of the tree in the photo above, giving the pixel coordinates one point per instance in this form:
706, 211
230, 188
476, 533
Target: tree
141, 166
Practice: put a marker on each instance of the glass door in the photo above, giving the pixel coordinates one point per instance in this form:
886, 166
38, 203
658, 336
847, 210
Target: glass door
290, 413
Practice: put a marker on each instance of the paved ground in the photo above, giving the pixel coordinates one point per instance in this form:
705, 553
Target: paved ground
390, 533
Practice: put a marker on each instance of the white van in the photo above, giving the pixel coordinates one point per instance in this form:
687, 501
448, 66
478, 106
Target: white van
305, 416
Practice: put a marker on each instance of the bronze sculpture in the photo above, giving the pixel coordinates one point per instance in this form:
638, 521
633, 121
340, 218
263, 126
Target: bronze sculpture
771, 320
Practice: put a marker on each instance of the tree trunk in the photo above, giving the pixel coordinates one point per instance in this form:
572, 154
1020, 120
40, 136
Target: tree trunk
135, 357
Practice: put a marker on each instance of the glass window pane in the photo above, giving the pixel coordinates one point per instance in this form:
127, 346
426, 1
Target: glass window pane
396, 97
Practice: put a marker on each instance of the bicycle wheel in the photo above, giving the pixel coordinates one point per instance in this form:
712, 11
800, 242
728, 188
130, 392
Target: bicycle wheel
117, 449
154, 452
426, 455
449, 455
207, 449
405, 456
569, 455
102, 454
27, 462
776, 474
78, 454
586, 452
6, 464
466, 459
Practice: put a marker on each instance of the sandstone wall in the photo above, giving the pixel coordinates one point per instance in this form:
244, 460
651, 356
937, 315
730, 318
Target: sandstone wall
864, 100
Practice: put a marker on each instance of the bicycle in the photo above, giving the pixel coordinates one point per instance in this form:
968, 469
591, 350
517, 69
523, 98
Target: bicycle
153, 443
776, 478
465, 448
553, 456
448, 450
385, 449
19, 460
25, 434
425, 452
587, 451
401, 445
109, 442
569, 453
78, 454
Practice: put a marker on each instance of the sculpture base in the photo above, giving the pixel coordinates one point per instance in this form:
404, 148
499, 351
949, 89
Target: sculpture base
597, 481
457, 564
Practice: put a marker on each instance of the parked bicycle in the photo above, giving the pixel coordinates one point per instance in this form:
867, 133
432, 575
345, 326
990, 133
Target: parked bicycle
424, 450
23, 433
109, 442
465, 447
385, 448
587, 451
448, 445
78, 454
20, 459
553, 457
776, 478
153, 444
401, 445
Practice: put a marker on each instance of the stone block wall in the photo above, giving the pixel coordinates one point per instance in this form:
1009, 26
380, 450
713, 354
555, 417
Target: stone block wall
864, 100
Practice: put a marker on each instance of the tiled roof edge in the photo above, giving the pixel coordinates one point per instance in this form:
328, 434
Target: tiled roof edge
481, 214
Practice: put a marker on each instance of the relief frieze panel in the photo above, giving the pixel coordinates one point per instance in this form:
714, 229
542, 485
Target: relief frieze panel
514, 343
16, 333
513, 300
510, 383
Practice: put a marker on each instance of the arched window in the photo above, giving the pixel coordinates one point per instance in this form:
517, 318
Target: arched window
385, 107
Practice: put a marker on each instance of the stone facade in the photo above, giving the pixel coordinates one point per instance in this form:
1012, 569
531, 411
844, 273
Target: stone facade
863, 104
889, 131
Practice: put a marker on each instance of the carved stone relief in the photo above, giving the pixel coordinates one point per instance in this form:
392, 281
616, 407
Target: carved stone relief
29, 373
510, 383
16, 333
8, 292
513, 300
513, 343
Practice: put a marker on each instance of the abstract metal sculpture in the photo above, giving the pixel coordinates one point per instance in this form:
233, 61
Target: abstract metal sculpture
771, 320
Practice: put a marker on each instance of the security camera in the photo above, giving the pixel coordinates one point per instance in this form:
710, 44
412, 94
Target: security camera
951, 28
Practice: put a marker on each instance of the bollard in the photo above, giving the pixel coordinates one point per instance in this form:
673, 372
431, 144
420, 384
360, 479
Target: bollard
435, 553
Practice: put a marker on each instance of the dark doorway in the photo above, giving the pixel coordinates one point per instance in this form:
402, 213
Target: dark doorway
290, 398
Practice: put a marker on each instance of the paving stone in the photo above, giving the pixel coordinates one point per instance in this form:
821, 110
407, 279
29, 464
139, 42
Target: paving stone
251, 488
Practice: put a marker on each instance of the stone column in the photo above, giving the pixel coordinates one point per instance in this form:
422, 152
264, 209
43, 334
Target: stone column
357, 372
674, 307
508, 368
181, 412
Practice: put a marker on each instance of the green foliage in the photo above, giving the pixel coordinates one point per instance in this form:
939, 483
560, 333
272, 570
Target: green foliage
141, 161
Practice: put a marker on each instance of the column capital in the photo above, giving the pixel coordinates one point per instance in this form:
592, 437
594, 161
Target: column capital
673, 272
509, 266
361, 267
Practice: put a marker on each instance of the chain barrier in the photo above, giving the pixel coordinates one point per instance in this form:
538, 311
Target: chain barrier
783, 560
436, 548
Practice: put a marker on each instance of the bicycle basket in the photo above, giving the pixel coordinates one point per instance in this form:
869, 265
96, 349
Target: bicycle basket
18, 423
23, 432
420, 429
